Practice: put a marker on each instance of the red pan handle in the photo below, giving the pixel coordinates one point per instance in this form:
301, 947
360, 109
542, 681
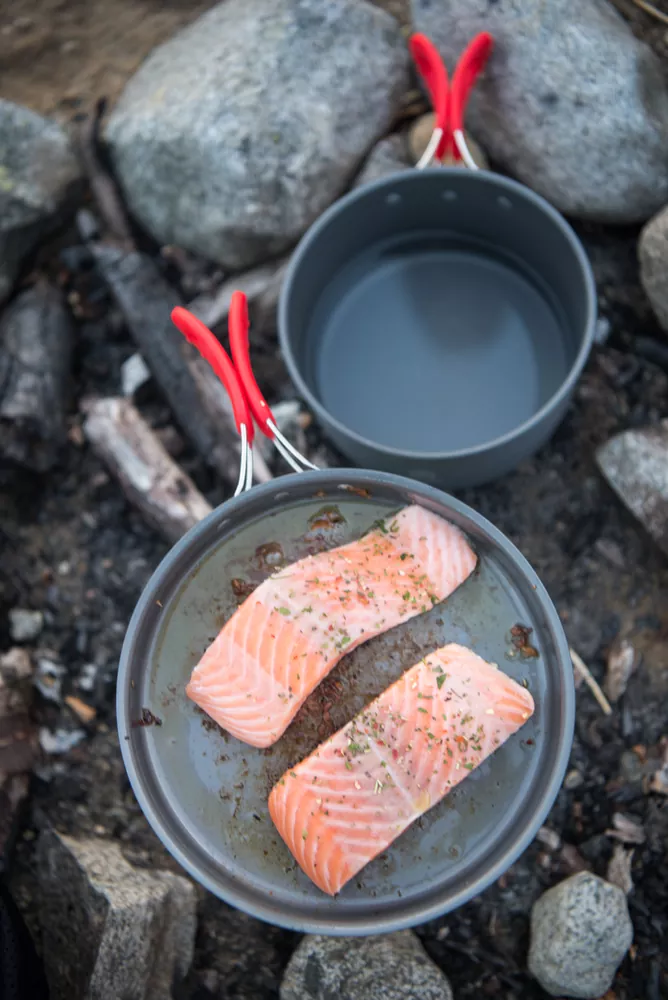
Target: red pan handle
213, 351
237, 324
469, 68
431, 68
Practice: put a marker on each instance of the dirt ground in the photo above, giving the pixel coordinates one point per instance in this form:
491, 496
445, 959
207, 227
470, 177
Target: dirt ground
59, 56
72, 547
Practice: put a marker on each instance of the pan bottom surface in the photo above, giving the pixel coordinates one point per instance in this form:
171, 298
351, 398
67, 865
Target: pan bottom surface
425, 347
206, 793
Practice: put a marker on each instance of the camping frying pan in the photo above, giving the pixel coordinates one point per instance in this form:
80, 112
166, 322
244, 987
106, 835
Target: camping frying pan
436, 321
205, 793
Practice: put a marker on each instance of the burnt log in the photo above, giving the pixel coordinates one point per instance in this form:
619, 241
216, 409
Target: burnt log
197, 399
35, 352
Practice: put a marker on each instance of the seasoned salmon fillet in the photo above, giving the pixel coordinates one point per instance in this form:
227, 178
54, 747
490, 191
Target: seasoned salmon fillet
367, 783
295, 627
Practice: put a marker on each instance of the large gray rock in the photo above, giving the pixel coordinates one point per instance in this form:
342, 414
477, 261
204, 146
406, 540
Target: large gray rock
635, 463
580, 932
390, 967
108, 929
572, 103
238, 132
653, 256
38, 178
387, 157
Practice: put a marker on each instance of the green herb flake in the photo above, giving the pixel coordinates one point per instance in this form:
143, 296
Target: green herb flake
469, 767
420, 709
440, 680
282, 611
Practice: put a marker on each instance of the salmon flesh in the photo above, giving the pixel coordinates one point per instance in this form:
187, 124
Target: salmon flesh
297, 625
366, 784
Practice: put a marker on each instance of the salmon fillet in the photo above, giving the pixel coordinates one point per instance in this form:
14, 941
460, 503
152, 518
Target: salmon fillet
367, 783
291, 631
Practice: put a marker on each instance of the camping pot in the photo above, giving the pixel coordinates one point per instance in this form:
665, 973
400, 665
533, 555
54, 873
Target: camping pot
436, 321
205, 793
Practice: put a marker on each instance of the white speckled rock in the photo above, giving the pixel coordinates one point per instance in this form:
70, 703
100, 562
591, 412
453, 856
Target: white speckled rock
635, 463
387, 967
572, 104
38, 177
237, 133
653, 256
580, 932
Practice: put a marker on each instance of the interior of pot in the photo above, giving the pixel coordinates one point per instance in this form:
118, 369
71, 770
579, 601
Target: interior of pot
436, 311
205, 793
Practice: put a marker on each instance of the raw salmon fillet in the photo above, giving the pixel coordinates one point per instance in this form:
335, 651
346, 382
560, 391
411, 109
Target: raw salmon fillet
291, 631
367, 783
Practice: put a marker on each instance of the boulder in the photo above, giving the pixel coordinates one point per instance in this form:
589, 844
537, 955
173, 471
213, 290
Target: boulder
653, 256
387, 967
108, 929
39, 176
387, 157
237, 133
635, 464
571, 103
580, 932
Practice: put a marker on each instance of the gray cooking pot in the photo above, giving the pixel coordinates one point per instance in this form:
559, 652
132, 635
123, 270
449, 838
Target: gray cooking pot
436, 323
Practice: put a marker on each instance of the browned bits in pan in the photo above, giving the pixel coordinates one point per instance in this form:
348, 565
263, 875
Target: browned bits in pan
147, 719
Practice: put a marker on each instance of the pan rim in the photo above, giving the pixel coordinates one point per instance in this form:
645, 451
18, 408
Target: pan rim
416, 912
400, 177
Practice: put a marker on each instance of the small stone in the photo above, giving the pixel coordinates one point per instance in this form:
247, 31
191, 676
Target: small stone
39, 177
653, 256
387, 967
635, 463
25, 625
580, 932
108, 929
15, 665
573, 780
550, 838
387, 157
49, 679
571, 102
237, 133
623, 661
626, 830
60, 741
134, 374
421, 132
619, 869
602, 331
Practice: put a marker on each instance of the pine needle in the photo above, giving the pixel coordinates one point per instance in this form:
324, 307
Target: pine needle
651, 10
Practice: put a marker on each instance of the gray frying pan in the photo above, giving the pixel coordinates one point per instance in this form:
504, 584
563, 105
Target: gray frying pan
205, 793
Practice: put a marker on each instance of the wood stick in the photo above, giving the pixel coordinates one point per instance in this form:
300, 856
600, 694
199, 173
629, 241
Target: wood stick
151, 480
195, 395
35, 349
650, 9
591, 681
